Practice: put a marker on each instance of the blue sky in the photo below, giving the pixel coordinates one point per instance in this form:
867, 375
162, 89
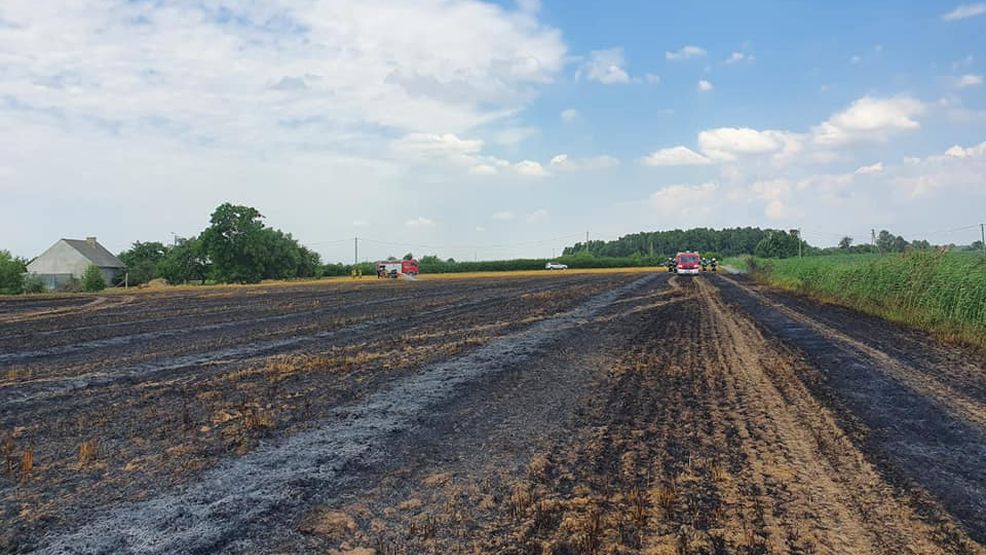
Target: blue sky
476, 129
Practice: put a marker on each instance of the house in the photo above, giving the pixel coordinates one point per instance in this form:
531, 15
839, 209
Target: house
69, 258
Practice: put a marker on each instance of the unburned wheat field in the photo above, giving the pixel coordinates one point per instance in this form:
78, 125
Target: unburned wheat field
571, 413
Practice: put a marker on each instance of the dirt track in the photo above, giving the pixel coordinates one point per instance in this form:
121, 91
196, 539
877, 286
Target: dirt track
607, 413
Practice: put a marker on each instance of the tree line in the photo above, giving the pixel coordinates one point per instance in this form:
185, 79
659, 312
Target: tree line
720, 242
237, 247
763, 243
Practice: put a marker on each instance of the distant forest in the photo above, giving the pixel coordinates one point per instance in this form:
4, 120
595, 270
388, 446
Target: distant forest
723, 242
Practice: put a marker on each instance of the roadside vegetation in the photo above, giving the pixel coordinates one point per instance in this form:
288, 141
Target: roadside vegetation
726, 242
941, 292
12, 271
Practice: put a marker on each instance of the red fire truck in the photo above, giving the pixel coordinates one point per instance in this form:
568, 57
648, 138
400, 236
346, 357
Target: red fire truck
688, 263
396, 268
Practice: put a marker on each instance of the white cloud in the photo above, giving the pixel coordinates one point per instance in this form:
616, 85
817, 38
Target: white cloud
969, 80
964, 11
683, 204
569, 115
262, 73
605, 66
869, 170
855, 59
431, 145
360, 223
704, 86
727, 143
420, 221
737, 57
652, 78
972, 152
483, 169
685, 53
958, 170
503, 216
870, 118
675, 156
530, 168
537, 216
565, 163
774, 192
480, 229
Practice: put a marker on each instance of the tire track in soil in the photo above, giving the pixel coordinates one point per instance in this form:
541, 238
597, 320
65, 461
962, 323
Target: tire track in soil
99, 303
230, 506
817, 492
904, 430
329, 299
703, 437
29, 392
949, 397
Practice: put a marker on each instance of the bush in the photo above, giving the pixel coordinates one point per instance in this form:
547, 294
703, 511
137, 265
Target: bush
11, 274
34, 284
73, 285
92, 279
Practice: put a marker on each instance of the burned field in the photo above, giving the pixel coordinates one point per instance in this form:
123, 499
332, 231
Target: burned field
576, 413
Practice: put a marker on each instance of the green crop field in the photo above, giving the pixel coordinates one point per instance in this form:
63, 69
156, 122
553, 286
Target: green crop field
944, 293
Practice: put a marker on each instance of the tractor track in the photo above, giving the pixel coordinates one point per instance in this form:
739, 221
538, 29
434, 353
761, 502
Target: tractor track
32, 391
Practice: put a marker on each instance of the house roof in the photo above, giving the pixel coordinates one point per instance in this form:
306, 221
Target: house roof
96, 253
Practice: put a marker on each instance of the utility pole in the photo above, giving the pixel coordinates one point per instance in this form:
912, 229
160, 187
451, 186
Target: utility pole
356, 251
799, 242
174, 239
982, 234
873, 236
587, 240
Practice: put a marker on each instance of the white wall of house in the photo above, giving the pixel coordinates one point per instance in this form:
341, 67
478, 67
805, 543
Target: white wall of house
61, 261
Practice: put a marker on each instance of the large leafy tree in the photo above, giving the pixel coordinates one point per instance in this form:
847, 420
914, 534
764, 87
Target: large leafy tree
11, 273
186, 261
143, 259
236, 244
242, 249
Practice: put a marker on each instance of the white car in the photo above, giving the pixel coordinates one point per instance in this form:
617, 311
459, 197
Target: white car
555, 266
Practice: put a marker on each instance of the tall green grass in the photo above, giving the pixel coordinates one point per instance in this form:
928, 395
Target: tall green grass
944, 293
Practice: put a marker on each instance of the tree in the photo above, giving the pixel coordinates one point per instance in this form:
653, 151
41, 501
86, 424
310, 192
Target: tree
12, 271
921, 245
408, 256
92, 279
234, 242
185, 261
778, 245
888, 242
845, 243
241, 249
143, 259
976, 245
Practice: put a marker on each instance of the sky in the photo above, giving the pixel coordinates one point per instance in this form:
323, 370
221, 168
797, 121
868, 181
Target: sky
483, 130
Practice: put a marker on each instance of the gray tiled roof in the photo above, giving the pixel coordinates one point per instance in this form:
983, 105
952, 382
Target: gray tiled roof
96, 253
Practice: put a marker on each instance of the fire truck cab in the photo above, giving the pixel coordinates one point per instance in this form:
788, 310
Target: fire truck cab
688, 263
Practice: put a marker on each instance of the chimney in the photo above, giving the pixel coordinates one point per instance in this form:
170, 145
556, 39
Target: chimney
91, 241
